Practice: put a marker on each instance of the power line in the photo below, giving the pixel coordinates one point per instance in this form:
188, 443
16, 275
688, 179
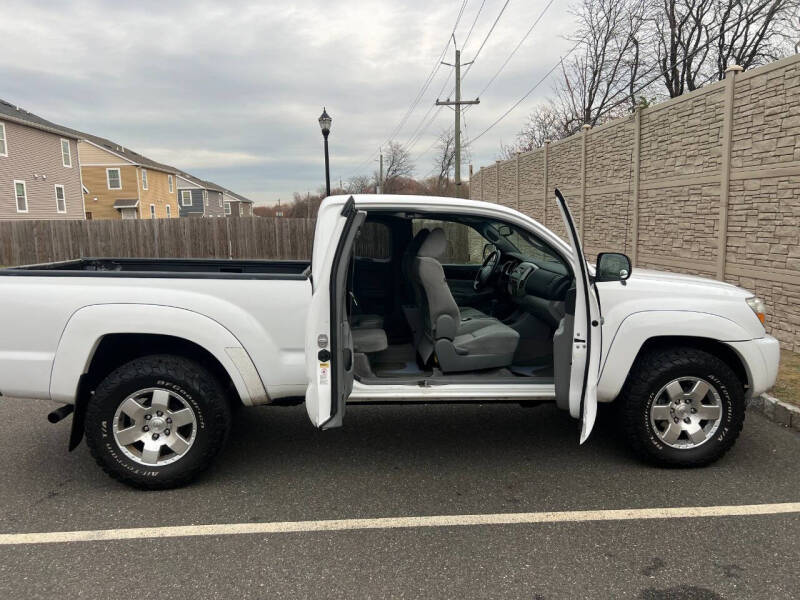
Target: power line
486, 39
469, 66
414, 138
475, 20
612, 106
528, 93
422, 90
517, 47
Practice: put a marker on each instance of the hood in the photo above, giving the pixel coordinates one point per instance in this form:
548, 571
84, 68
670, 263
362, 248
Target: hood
668, 276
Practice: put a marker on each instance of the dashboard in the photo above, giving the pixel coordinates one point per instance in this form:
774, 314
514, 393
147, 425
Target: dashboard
539, 288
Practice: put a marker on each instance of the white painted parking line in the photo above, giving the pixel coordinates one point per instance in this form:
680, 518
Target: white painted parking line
575, 516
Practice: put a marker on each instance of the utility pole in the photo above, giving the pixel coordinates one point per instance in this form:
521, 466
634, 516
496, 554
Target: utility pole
457, 109
380, 176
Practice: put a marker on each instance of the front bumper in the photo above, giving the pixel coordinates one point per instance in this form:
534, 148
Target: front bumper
761, 358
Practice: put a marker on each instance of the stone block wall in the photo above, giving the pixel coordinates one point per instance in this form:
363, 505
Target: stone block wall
707, 183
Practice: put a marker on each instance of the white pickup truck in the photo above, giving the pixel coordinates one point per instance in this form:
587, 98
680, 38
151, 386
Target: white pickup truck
407, 299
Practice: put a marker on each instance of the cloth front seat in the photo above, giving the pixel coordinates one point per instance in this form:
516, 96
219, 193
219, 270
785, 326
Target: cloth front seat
460, 343
407, 266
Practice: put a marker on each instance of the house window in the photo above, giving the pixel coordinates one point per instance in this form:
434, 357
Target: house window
66, 154
21, 194
61, 199
144, 179
171, 186
169, 211
152, 211
186, 197
114, 179
227, 208
3, 146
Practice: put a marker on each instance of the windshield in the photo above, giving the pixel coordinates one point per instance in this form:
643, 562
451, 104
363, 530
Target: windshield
512, 239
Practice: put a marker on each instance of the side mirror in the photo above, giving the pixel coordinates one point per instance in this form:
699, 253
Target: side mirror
612, 266
505, 230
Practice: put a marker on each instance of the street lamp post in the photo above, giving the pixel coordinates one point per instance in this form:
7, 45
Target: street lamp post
325, 125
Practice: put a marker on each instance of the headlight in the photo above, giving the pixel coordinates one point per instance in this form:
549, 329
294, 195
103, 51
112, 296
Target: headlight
758, 306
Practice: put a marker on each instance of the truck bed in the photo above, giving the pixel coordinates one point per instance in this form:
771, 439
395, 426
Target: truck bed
195, 268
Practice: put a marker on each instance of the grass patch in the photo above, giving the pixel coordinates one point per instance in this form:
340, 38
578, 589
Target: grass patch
787, 387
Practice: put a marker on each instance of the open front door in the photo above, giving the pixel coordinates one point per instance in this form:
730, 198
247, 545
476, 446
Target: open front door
329, 342
586, 341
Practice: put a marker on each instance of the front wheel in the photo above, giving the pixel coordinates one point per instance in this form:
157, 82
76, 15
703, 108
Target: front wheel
682, 407
157, 422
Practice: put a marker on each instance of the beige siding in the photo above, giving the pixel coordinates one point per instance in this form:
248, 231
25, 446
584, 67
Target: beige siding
34, 156
100, 200
92, 155
158, 194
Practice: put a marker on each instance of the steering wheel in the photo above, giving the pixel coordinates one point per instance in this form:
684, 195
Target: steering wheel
487, 270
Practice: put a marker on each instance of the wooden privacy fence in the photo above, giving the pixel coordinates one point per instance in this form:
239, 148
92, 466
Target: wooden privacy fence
27, 242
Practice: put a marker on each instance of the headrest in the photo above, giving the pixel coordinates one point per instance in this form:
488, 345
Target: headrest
414, 245
434, 245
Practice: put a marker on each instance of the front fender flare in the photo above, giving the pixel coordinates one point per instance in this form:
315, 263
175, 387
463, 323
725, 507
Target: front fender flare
638, 328
88, 325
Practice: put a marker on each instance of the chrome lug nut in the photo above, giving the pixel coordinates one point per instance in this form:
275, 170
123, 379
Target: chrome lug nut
148, 417
159, 413
675, 419
166, 432
145, 428
169, 420
687, 420
155, 436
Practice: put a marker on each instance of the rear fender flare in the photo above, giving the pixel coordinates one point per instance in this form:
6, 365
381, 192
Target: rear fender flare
87, 327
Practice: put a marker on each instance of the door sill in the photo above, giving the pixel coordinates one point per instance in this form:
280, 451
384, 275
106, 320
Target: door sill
451, 392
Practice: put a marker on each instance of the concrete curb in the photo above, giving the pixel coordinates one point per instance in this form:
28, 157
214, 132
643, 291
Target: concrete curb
782, 413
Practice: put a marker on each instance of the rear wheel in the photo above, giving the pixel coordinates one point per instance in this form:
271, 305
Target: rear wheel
157, 422
682, 407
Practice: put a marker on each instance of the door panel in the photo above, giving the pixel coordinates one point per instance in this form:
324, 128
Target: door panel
328, 344
586, 340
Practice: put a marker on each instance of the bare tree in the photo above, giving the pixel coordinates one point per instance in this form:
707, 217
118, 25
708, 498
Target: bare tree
697, 40
753, 32
445, 159
359, 184
397, 166
606, 60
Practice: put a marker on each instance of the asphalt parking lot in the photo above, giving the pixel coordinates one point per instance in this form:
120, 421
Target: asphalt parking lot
409, 461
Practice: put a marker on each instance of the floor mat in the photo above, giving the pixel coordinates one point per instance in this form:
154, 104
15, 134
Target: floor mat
394, 369
531, 370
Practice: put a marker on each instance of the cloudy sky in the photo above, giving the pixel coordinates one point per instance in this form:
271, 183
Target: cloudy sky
231, 91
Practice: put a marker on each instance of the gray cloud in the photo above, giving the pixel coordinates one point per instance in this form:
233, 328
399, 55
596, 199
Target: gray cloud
231, 90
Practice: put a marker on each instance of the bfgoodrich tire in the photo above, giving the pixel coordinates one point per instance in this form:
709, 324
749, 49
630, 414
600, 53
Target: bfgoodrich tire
157, 422
682, 407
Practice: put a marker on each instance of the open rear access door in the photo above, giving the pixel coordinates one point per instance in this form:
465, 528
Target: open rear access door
329, 341
586, 341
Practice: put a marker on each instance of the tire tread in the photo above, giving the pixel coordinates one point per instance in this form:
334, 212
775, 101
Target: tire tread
181, 369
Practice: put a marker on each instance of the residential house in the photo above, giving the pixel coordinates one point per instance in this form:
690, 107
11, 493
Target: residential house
236, 205
119, 183
198, 198
40, 177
